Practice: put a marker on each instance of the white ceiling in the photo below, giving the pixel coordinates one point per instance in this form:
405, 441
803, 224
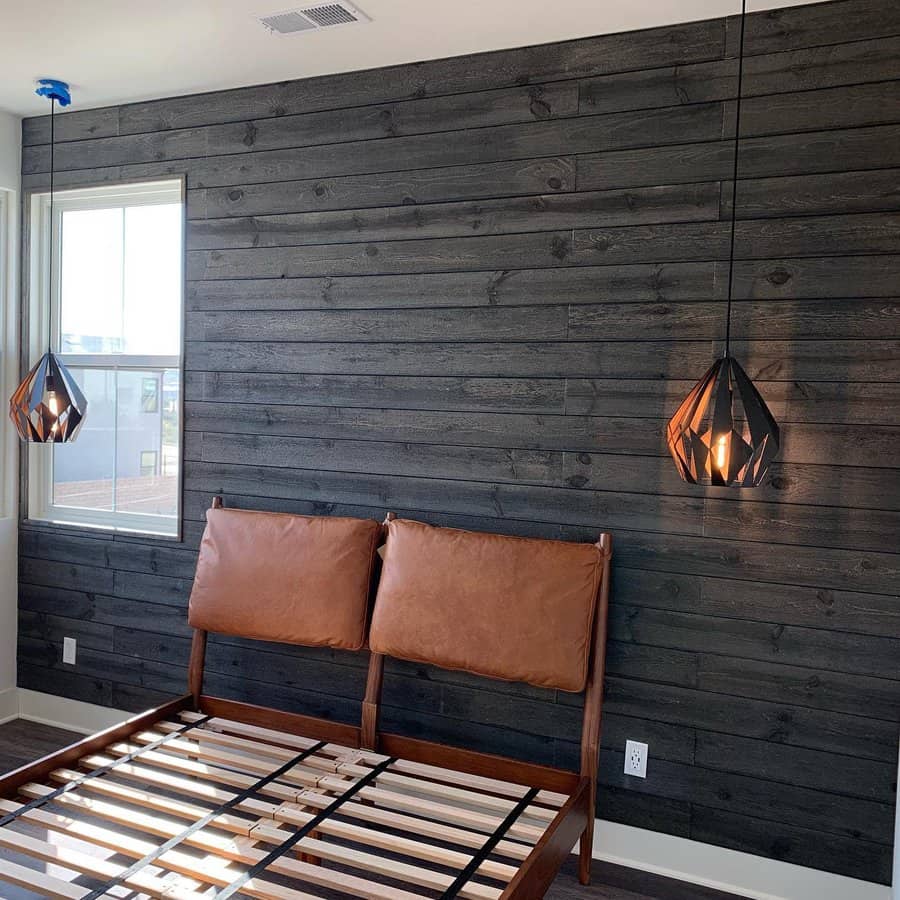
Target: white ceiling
114, 51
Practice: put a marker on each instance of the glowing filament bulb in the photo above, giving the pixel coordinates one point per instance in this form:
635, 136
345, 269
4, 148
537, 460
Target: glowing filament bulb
721, 451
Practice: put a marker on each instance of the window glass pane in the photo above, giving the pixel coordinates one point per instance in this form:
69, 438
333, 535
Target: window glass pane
147, 443
83, 471
121, 280
91, 281
152, 282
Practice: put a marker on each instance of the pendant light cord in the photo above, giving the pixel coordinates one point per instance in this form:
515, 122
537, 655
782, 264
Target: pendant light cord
734, 181
50, 266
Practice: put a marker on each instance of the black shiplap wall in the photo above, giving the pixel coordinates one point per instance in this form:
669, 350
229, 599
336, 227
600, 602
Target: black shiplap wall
471, 291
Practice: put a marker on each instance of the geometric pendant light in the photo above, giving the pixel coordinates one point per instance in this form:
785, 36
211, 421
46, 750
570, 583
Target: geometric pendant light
48, 407
723, 433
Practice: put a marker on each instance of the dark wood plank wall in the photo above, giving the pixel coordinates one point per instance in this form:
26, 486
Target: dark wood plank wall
471, 291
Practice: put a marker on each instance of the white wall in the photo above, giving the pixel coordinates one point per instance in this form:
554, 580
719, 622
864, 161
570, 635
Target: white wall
10, 152
896, 878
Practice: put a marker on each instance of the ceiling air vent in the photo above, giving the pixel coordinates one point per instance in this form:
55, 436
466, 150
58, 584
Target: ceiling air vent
309, 18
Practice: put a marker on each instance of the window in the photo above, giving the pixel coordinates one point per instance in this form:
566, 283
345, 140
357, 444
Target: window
150, 395
115, 311
148, 462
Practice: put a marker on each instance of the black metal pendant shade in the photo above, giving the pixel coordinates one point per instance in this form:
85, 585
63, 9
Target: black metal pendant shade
48, 406
723, 433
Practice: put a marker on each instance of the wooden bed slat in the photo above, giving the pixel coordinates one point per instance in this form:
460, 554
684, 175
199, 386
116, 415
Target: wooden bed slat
202, 818
452, 776
478, 782
214, 871
70, 858
39, 882
149, 800
290, 814
296, 816
192, 768
301, 776
191, 787
91, 834
425, 827
236, 849
309, 778
395, 821
421, 785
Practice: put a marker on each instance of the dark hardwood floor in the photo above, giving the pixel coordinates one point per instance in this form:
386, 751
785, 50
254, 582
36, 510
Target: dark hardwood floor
22, 741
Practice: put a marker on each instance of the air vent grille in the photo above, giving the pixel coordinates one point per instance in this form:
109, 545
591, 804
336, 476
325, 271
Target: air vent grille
312, 18
330, 14
287, 22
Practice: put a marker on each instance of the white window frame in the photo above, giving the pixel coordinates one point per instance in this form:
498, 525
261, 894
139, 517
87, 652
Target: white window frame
40, 457
9, 350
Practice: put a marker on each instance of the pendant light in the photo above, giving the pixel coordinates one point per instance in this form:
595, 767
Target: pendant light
48, 406
723, 433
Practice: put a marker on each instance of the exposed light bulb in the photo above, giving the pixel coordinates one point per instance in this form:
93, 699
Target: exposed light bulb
721, 451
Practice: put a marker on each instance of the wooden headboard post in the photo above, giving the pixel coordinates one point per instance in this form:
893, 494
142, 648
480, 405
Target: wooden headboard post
195, 668
198, 649
593, 701
371, 706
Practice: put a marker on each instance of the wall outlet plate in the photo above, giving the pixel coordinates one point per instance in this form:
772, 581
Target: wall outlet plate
70, 650
636, 759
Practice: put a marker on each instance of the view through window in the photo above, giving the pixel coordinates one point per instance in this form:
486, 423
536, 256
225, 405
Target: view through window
116, 323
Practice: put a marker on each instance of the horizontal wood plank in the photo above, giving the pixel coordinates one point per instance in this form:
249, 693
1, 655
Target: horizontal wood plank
456, 183
678, 203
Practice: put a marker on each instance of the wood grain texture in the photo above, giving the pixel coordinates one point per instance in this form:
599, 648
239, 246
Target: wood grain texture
471, 291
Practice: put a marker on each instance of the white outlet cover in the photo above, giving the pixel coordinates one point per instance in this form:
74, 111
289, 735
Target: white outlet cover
70, 648
636, 759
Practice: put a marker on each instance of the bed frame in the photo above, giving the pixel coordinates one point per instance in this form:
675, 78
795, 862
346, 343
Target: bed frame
210, 797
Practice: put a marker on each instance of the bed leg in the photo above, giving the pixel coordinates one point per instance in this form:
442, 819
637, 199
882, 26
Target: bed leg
586, 852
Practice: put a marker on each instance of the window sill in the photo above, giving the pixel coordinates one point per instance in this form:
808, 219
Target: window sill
91, 530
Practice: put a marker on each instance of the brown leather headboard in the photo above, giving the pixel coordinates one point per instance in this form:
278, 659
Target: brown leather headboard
512, 608
292, 579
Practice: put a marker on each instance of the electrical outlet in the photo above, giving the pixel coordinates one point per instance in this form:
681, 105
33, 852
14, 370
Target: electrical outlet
70, 650
636, 759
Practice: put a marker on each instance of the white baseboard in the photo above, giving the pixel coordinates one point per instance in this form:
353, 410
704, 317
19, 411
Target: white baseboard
744, 874
73, 715
9, 705
749, 876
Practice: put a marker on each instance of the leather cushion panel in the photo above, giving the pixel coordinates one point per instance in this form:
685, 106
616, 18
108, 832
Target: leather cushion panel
292, 579
512, 608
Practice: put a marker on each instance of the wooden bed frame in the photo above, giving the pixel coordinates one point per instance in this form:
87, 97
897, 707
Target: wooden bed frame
217, 798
